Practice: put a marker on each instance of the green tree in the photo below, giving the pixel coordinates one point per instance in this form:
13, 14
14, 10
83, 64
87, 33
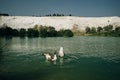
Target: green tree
68, 33
15, 32
43, 31
70, 15
117, 31
60, 33
35, 33
30, 32
99, 29
88, 30
6, 31
51, 32
108, 28
36, 27
22, 32
54, 14
93, 30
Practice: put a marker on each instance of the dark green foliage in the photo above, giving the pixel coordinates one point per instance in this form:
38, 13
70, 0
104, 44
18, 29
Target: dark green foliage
70, 15
6, 31
99, 29
68, 33
4, 14
2, 31
88, 30
42, 31
108, 28
105, 31
51, 32
117, 32
117, 29
56, 14
93, 30
35, 33
32, 32
60, 33
22, 32
65, 33
15, 32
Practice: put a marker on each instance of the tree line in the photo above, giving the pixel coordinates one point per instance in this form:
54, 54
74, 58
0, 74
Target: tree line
36, 31
104, 31
54, 14
4, 14
57, 14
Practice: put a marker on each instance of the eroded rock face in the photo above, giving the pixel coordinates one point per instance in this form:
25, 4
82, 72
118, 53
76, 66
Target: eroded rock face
66, 22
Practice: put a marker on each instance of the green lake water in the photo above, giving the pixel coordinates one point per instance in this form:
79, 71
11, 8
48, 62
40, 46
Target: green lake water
86, 58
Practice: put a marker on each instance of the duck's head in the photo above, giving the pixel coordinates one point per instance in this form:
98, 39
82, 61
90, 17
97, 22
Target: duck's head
61, 48
61, 53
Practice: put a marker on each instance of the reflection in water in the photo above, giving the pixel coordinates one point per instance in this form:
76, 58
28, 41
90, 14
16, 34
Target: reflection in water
61, 61
47, 62
1, 56
3, 46
58, 61
54, 62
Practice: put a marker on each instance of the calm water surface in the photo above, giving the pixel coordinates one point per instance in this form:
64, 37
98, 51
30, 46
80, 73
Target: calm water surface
86, 58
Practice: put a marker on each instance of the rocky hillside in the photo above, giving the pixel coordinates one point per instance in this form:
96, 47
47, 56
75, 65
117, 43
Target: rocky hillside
66, 22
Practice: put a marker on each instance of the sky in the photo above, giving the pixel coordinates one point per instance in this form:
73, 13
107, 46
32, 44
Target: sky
85, 8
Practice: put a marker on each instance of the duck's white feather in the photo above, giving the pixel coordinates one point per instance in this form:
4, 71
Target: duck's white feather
47, 56
61, 53
54, 57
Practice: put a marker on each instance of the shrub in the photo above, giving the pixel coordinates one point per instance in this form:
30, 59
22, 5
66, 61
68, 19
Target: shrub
68, 33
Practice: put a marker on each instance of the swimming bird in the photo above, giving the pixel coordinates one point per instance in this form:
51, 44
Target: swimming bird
50, 57
47, 56
54, 57
61, 53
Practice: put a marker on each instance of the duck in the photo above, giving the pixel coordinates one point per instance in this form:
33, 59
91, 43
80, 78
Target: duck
50, 57
61, 53
47, 56
54, 58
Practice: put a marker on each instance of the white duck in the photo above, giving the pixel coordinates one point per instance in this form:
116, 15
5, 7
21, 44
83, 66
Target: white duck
61, 53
